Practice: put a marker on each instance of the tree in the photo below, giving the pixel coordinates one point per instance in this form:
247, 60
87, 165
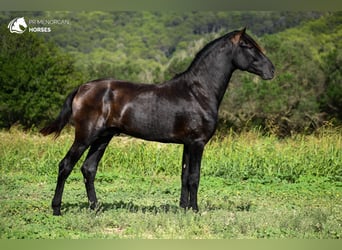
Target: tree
331, 99
34, 79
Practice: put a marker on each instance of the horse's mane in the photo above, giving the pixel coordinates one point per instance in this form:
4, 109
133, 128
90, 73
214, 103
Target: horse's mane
208, 48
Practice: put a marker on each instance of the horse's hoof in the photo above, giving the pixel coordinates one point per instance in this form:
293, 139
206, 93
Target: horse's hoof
56, 212
92, 205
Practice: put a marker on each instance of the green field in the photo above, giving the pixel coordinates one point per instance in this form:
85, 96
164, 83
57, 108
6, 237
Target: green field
252, 186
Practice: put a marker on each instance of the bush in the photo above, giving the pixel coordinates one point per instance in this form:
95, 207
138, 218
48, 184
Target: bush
34, 79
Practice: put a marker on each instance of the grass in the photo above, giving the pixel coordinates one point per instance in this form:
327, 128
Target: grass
252, 186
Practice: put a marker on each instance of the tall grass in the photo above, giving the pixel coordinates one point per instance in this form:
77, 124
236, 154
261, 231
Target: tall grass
248, 156
267, 158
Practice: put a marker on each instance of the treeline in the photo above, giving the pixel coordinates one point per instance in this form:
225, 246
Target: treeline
140, 45
38, 70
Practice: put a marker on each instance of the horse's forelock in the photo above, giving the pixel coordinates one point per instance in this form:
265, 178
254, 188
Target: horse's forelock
251, 41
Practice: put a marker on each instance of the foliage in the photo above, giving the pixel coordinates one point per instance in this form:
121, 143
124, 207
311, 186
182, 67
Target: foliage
34, 79
116, 38
331, 98
251, 187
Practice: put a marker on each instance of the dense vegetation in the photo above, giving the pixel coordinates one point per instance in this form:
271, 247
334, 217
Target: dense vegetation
37, 70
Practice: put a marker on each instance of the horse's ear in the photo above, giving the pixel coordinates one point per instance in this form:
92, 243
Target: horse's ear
236, 38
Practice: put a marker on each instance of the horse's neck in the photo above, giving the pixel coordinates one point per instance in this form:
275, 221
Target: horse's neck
213, 77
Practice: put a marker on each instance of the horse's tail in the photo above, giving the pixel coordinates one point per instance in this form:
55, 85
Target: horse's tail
62, 119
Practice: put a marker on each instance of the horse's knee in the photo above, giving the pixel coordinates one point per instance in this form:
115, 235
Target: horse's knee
88, 172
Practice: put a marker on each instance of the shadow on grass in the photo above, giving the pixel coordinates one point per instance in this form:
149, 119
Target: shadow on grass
125, 205
133, 207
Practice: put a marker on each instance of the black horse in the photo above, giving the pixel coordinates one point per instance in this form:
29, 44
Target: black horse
183, 110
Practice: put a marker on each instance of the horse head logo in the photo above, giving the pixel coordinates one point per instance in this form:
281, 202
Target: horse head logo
17, 25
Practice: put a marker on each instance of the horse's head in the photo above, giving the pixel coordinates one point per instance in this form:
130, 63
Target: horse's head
248, 56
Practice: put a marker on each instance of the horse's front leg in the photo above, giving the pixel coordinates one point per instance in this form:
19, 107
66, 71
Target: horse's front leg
184, 199
196, 153
191, 175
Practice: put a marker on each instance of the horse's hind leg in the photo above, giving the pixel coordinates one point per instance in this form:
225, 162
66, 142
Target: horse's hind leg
89, 167
65, 168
